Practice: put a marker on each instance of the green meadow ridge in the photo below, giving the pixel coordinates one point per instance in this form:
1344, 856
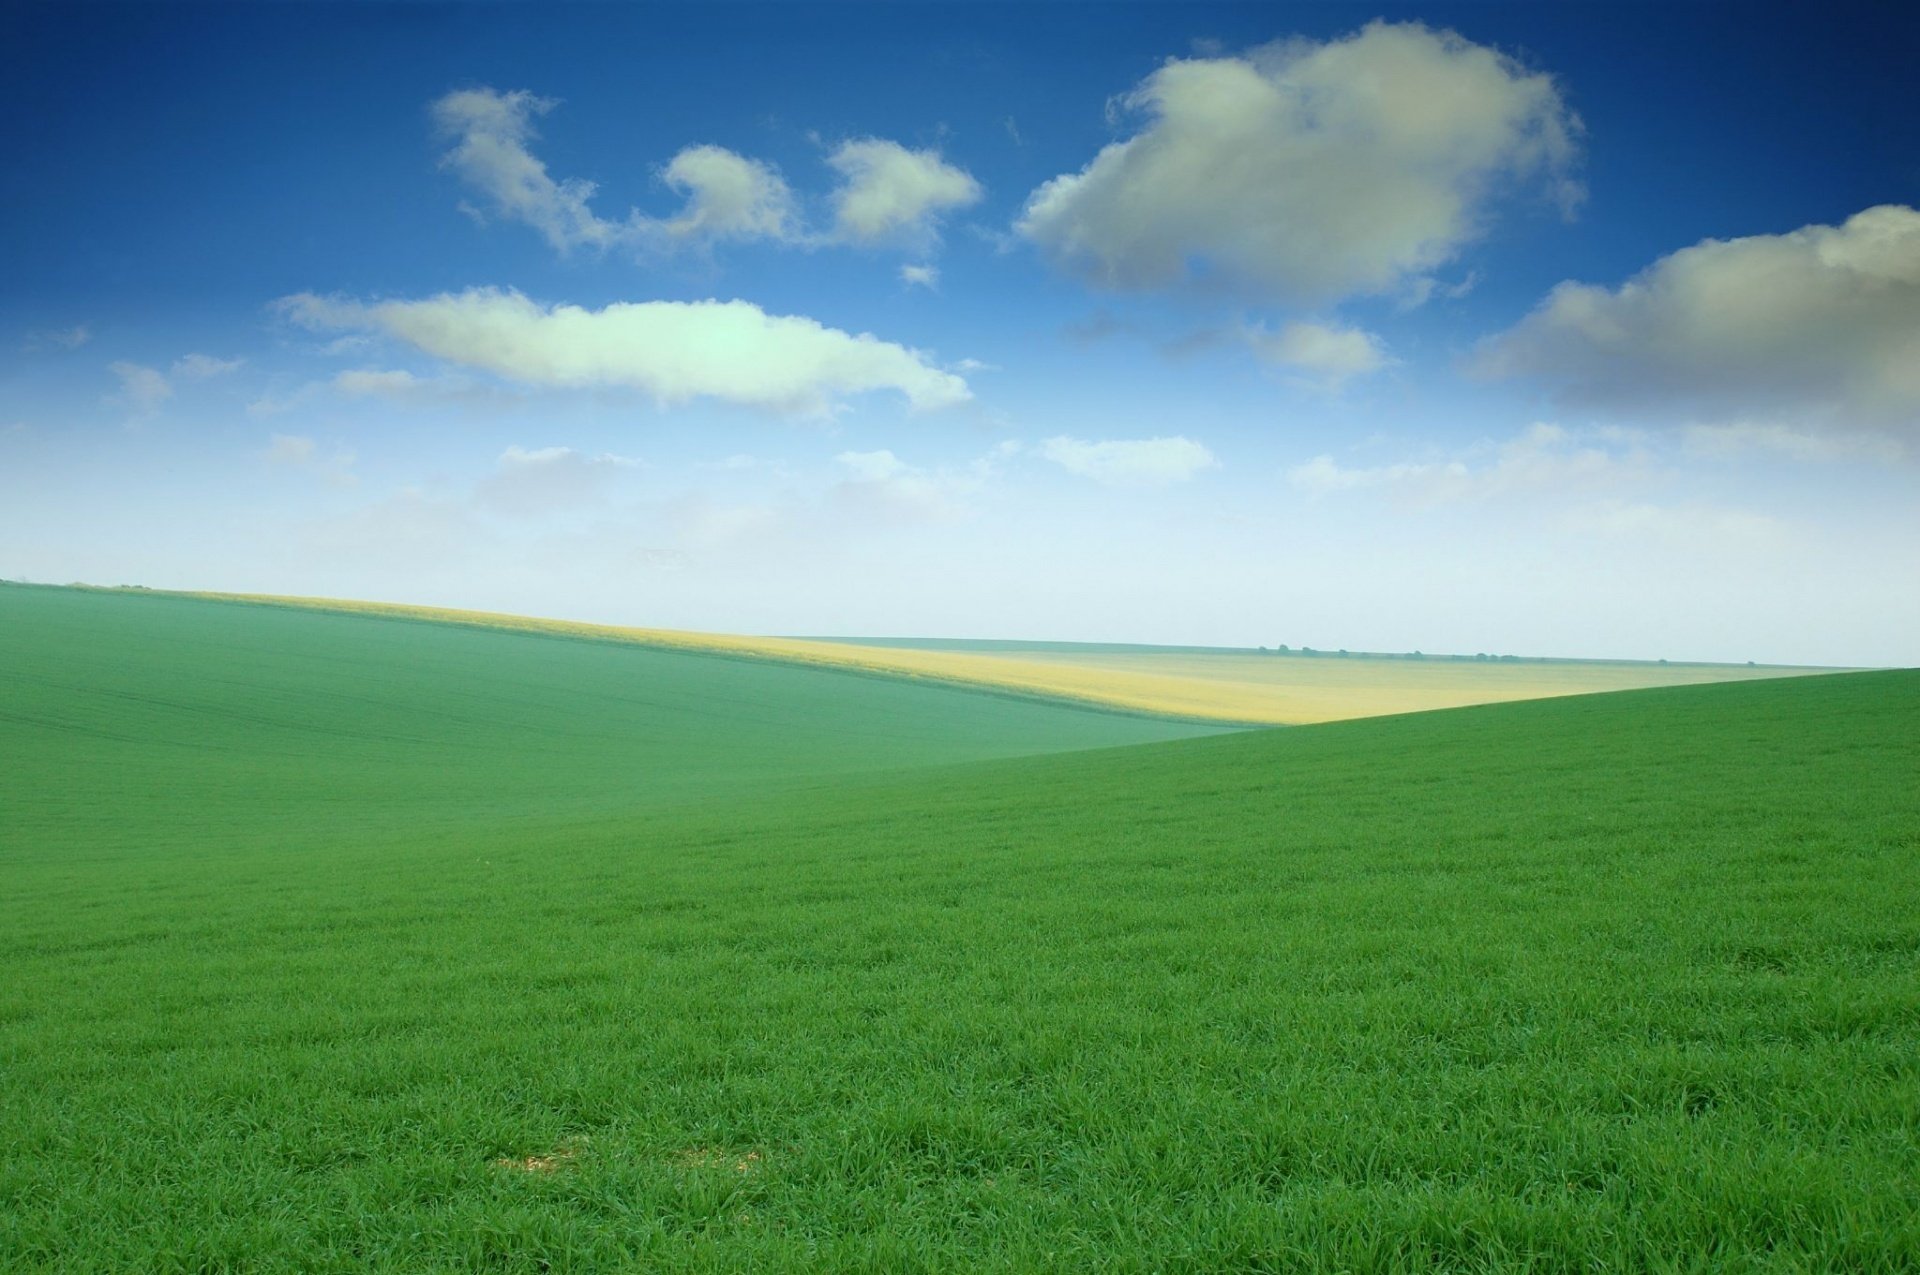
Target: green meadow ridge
335, 943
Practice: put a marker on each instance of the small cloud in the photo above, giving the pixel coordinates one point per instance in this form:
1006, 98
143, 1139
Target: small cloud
268, 406
533, 482
517, 457
727, 196
1424, 289
984, 467
402, 387
1327, 354
142, 388
889, 193
491, 132
881, 483
290, 449
872, 466
1143, 462
1101, 325
920, 276
1795, 444
365, 382
297, 451
1683, 527
60, 338
199, 367
1544, 460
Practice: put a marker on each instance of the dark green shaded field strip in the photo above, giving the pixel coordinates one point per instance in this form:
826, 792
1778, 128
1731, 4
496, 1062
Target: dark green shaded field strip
1625, 982
131, 716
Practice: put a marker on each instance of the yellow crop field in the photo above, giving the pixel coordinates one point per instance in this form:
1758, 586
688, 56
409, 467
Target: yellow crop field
1229, 686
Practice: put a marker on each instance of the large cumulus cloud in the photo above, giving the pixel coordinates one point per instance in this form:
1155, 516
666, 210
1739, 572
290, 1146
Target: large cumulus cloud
1817, 328
1307, 171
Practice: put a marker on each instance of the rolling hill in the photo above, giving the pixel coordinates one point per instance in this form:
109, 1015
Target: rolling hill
341, 943
1225, 686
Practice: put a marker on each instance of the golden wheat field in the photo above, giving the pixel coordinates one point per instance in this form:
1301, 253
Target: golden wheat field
1229, 686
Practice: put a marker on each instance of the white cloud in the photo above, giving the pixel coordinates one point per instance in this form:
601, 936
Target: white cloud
532, 482
1681, 527
491, 131
142, 388
881, 483
872, 466
402, 387
297, 451
1143, 462
363, 382
1544, 459
886, 192
727, 196
268, 406
672, 350
290, 449
1308, 171
889, 193
1327, 353
518, 457
199, 367
920, 276
1818, 328
1795, 444
66, 338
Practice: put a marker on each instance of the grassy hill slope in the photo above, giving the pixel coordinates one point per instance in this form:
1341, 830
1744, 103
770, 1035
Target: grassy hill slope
1225, 686
1625, 982
133, 713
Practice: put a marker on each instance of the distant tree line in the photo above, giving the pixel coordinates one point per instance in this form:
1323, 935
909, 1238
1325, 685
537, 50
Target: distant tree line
1482, 657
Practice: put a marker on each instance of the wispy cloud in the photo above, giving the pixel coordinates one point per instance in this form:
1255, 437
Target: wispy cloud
142, 389
1545, 459
727, 196
1818, 446
200, 367
534, 482
298, 451
59, 338
1138, 462
886, 192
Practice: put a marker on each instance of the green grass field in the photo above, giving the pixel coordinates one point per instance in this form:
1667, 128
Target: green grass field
339, 943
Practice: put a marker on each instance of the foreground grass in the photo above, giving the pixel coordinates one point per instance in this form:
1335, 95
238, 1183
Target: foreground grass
1624, 982
1233, 687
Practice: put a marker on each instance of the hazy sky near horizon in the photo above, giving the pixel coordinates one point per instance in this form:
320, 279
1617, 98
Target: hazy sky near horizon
1572, 329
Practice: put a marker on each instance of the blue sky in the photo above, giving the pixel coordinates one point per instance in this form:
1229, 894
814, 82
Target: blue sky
1550, 329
